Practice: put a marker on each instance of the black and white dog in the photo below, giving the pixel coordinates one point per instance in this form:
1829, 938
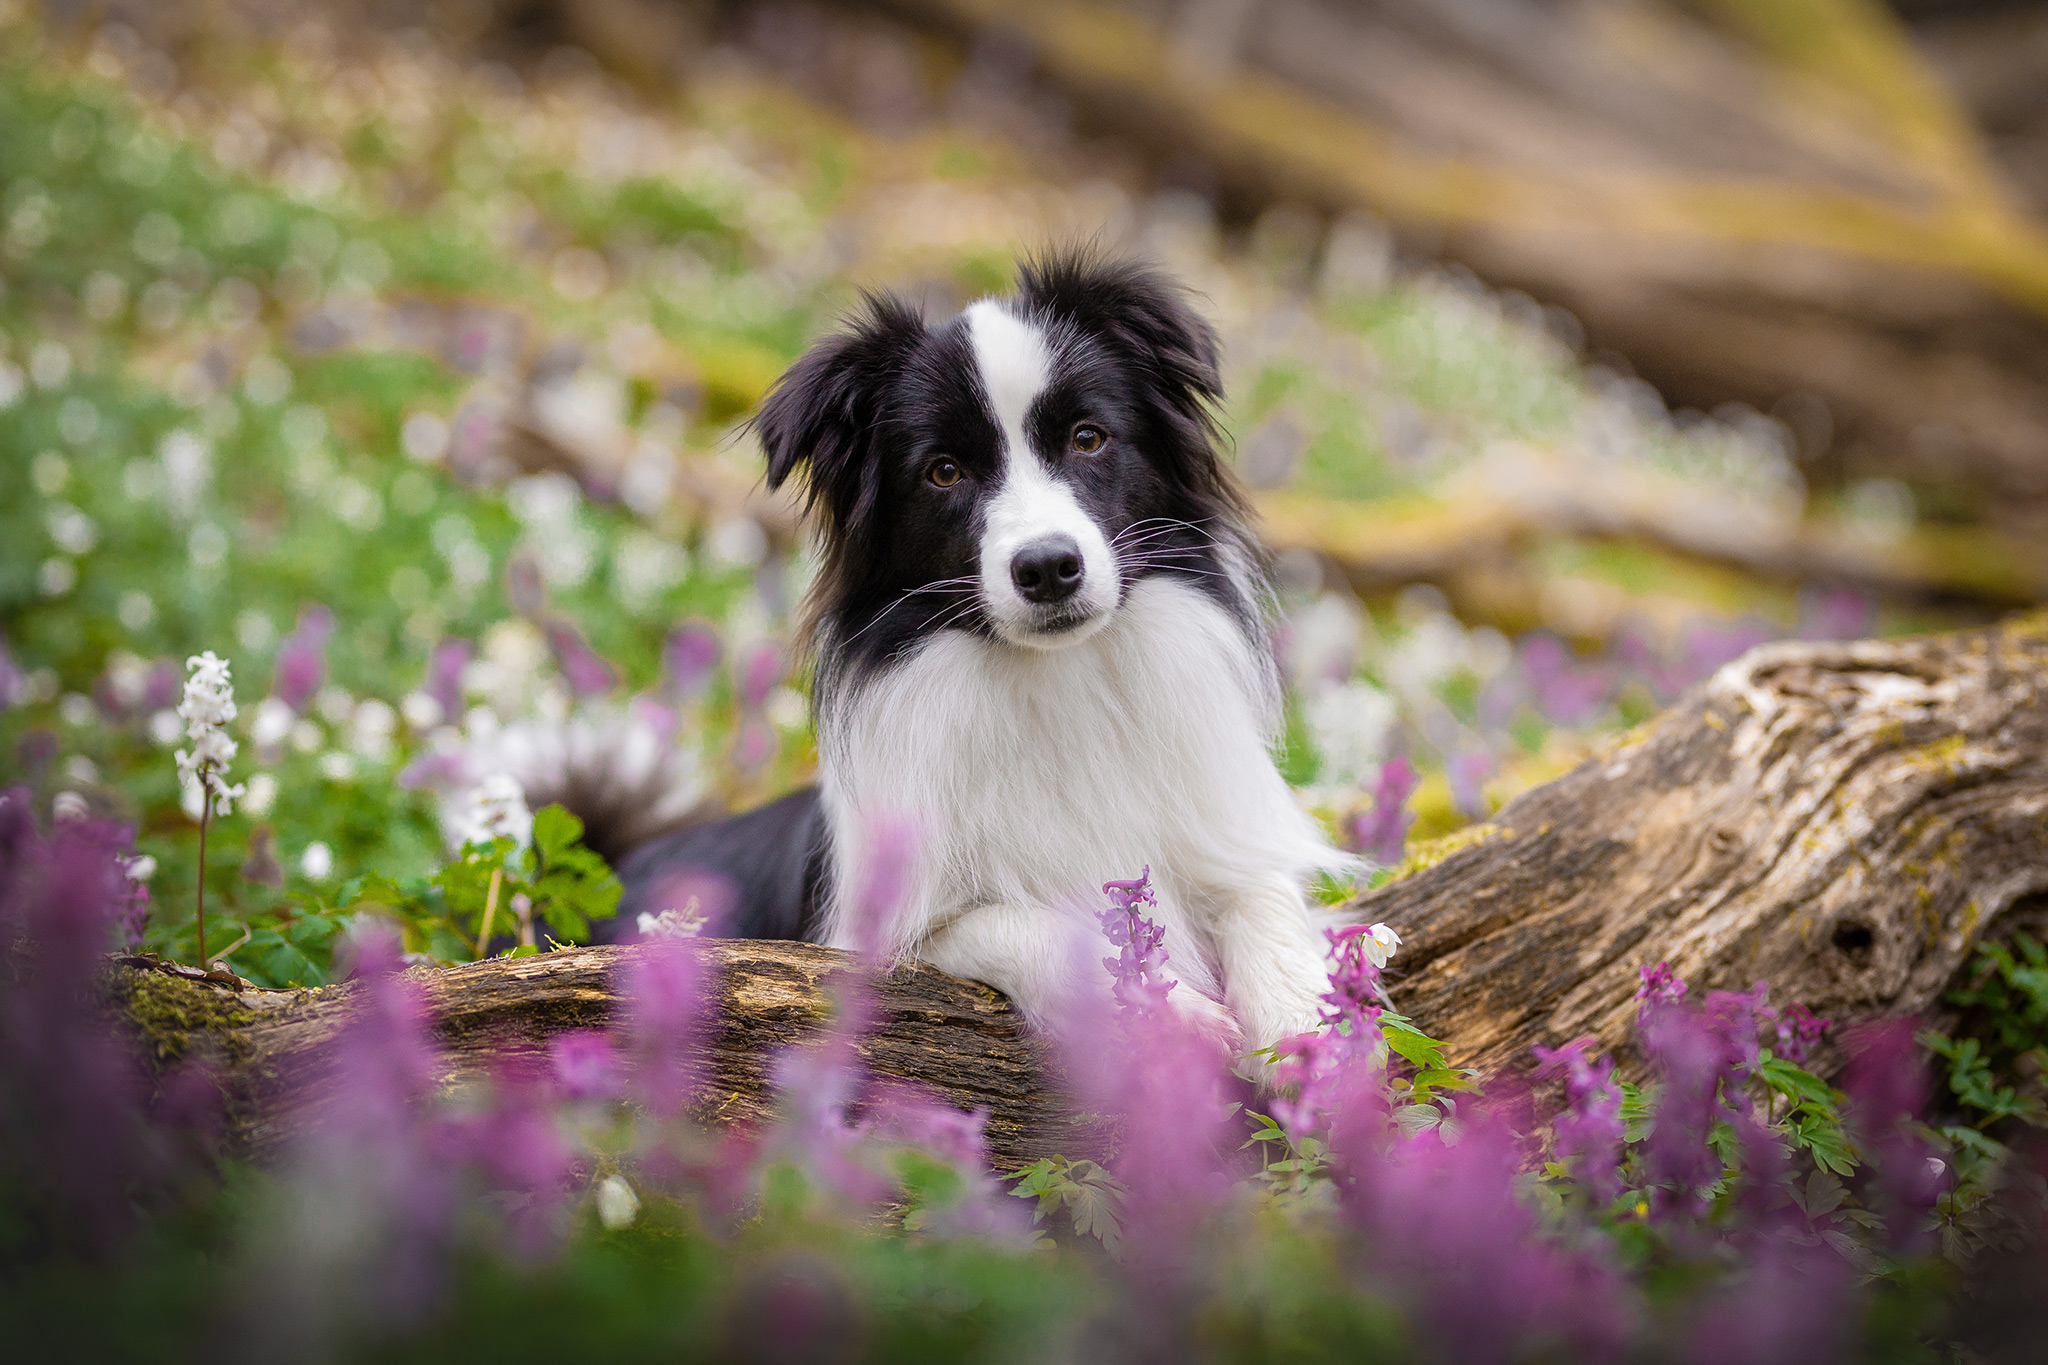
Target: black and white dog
1037, 635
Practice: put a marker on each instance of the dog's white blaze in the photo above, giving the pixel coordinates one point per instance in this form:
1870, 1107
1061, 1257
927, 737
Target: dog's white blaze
1042, 774
1029, 504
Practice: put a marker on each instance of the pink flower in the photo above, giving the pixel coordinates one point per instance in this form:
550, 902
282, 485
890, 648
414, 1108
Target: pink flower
1382, 832
302, 658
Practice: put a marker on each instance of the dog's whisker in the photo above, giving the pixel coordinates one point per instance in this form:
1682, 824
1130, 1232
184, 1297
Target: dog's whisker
962, 584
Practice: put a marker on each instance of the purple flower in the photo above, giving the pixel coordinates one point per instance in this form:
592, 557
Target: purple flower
37, 750
1796, 1030
1590, 1129
160, 691
1448, 1235
1660, 987
1886, 1081
13, 681
1382, 832
1793, 1304
517, 1153
689, 659
1837, 614
757, 671
1137, 973
1565, 693
1736, 1019
1707, 647
585, 1065
444, 675
888, 861
664, 984
1688, 1052
73, 1151
133, 917
817, 1087
302, 658
526, 585
586, 672
754, 747
1336, 1075
1468, 773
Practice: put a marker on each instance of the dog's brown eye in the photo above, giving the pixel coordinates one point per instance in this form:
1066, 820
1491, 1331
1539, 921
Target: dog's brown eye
1087, 440
943, 473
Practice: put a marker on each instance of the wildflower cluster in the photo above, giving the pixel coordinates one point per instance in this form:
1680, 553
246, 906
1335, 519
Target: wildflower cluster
207, 709
1137, 973
1318, 1073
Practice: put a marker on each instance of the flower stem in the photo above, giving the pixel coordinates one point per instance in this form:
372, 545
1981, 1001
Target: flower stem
483, 934
205, 815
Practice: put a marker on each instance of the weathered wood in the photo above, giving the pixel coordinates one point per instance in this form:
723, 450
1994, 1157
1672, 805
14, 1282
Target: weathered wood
1845, 821
275, 1055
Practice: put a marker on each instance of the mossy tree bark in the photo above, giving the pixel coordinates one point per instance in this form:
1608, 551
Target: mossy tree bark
1845, 821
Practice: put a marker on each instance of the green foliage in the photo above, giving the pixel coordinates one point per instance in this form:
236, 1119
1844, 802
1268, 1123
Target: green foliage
1812, 1122
1994, 1073
567, 885
1090, 1196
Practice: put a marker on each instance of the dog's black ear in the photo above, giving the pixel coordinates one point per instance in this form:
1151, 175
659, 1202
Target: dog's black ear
1136, 311
1142, 317
826, 409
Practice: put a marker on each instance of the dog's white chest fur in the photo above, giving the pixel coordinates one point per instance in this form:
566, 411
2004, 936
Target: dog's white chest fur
1031, 777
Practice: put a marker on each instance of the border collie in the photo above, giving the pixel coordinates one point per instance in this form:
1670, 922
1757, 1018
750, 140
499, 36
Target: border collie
1037, 636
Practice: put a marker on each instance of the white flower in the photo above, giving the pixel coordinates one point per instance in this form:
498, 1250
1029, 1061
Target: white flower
421, 711
1380, 943
496, 810
1426, 655
617, 1205
67, 806
317, 862
1936, 1168
209, 704
262, 795
273, 722
140, 868
687, 922
209, 694
1349, 725
371, 730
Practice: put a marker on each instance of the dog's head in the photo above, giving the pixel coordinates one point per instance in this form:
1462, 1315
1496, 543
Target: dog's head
1013, 471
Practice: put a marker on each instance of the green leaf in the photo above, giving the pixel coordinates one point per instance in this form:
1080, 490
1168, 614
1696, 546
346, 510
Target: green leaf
555, 831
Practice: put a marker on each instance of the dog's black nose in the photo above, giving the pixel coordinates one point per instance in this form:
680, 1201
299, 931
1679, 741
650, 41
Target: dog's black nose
1047, 570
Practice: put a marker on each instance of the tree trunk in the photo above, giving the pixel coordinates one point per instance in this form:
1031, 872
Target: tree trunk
1845, 821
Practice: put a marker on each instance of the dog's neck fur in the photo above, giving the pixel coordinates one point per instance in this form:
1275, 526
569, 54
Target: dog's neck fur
1033, 777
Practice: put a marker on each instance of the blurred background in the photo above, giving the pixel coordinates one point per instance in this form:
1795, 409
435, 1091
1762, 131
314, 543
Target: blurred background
398, 353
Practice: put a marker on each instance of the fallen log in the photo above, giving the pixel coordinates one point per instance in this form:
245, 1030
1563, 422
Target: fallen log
1845, 821
274, 1052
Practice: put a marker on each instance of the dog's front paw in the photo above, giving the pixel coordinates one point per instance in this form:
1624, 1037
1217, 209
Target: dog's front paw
1276, 1016
1208, 1019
